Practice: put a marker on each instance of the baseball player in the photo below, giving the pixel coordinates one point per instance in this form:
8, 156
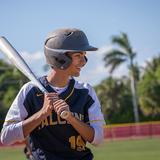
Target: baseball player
36, 116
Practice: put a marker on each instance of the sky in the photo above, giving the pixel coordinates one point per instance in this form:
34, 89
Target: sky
26, 24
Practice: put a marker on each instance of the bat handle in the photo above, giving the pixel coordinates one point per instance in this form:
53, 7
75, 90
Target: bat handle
64, 114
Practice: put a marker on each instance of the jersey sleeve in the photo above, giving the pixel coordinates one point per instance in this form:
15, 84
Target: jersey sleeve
96, 118
12, 128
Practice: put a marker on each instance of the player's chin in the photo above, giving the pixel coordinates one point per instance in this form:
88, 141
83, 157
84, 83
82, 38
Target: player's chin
76, 74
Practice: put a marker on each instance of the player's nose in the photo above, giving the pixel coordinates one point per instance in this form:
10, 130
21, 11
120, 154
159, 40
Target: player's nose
83, 60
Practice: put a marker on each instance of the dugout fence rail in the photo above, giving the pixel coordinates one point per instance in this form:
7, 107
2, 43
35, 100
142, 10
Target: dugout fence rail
132, 130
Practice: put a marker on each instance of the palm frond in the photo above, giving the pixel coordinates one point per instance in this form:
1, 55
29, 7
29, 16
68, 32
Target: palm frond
114, 63
133, 55
123, 42
113, 54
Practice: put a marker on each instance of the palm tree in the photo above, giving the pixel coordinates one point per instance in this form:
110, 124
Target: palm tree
124, 53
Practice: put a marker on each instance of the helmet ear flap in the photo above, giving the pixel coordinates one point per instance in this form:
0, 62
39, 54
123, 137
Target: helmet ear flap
64, 61
57, 59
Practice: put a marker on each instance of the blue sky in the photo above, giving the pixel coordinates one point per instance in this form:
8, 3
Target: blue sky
26, 24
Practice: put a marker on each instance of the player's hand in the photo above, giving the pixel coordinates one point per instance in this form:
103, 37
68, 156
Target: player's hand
60, 105
49, 99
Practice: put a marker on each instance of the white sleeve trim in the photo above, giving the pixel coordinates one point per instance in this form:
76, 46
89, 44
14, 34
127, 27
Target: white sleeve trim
96, 119
12, 130
12, 133
98, 135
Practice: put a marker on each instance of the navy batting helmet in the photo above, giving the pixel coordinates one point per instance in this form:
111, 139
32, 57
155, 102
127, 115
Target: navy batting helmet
62, 41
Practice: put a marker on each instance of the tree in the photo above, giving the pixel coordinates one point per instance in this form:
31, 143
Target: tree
11, 80
124, 53
115, 99
149, 88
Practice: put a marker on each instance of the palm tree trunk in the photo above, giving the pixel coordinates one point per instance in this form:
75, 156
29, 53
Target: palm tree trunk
134, 98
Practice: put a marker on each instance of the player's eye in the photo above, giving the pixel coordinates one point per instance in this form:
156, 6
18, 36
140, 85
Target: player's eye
77, 55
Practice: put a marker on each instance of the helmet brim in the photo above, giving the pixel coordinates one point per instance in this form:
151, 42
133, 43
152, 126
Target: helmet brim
61, 51
90, 48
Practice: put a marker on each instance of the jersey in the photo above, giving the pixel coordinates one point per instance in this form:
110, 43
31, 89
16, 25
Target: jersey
55, 138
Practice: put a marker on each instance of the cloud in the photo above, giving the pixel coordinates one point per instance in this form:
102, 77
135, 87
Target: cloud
36, 61
102, 50
32, 57
144, 63
99, 73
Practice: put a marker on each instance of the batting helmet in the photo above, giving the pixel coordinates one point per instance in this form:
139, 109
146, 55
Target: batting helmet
62, 41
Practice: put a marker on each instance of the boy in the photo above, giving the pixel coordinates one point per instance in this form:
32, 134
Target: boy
37, 116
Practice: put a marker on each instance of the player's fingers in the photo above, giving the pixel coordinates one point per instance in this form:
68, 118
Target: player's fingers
51, 95
51, 99
59, 102
59, 105
61, 109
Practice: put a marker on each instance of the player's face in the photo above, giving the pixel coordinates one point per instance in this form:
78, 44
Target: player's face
78, 61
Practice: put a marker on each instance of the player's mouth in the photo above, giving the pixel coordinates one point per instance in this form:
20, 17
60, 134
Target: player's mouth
78, 68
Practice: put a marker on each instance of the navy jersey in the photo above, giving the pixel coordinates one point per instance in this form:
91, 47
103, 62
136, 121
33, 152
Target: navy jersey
55, 138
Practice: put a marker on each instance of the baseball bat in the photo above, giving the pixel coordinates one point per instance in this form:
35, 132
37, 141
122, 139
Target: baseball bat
19, 62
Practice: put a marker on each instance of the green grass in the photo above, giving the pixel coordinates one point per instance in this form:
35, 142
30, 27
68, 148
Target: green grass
14, 153
144, 149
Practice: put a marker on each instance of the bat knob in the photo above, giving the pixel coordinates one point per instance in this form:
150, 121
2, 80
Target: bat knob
64, 114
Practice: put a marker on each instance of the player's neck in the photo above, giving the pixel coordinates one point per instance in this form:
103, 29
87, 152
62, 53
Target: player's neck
58, 79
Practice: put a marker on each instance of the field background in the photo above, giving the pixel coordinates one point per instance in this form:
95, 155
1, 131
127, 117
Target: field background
142, 149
